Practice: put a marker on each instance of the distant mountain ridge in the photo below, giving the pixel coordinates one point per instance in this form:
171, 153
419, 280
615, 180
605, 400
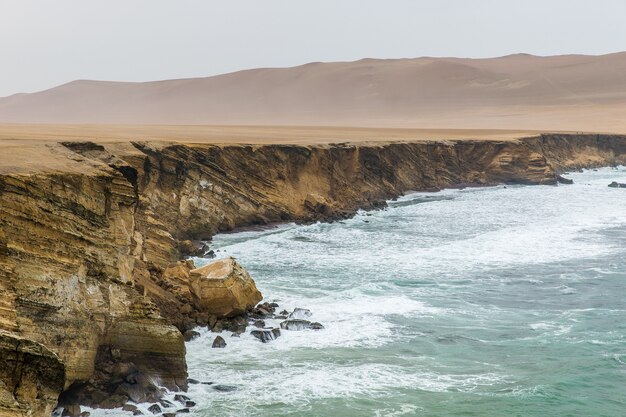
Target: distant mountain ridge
516, 91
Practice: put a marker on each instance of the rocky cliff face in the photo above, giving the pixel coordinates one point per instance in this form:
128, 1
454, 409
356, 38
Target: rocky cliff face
84, 251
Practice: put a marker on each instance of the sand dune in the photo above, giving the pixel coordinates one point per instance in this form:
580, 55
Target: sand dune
571, 92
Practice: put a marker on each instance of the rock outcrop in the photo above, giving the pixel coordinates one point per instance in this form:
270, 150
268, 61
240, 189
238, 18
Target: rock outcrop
224, 289
91, 234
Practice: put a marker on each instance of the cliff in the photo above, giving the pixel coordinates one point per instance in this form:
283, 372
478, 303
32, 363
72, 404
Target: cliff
88, 229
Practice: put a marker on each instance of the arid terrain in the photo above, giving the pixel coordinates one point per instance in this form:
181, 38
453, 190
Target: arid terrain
520, 92
105, 187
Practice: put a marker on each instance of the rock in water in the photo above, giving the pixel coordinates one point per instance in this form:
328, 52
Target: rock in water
154, 409
300, 313
72, 410
266, 336
563, 180
224, 388
219, 342
224, 288
616, 184
295, 324
190, 335
300, 325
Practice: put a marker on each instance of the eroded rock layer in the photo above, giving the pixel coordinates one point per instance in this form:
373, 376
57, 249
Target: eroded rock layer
85, 250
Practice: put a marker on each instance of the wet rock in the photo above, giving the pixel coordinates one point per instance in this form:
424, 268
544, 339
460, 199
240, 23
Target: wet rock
235, 335
224, 388
190, 335
181, 398
190, 404
87, 413
295, 324
616, 184
140, 388
219, 342
114, 401
266, 336
259, 323
192, 381
169, 414
269, 307
202, 319
72, 410
260, 313
300, 313
166, 404
562, 180
300, 325
224, 288
129, 407
183, 410
154, 409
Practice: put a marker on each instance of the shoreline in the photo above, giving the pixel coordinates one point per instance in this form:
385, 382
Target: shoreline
120, 214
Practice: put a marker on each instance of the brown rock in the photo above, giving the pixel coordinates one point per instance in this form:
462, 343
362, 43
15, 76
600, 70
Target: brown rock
219, 342
223, 288
72, 410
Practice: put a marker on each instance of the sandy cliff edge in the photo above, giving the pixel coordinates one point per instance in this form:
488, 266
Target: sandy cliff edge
87, 228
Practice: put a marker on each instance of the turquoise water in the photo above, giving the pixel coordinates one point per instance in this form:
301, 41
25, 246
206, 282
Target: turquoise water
503, 301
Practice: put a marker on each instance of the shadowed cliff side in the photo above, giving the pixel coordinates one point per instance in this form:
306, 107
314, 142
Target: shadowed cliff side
83, 249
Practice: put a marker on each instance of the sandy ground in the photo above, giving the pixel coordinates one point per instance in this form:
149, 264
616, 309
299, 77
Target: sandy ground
34, 148
516, 92
20, 134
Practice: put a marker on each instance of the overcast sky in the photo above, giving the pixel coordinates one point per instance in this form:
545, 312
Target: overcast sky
44, 43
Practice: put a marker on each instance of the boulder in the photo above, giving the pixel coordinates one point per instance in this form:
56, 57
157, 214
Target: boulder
296, 324
224, 388
616, 184
300, 313
72, 410
154, 409
224, 288
181, 398
190, 335
562, 180
219, 342
266, 336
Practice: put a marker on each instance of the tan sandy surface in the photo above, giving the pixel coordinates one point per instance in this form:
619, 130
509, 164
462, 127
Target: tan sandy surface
32, 148
517, 92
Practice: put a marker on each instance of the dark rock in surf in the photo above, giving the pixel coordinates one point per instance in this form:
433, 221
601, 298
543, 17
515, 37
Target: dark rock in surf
562, 180
266, 336
181, 398
616, 184
225, 388
300, 313
219, 342
72, 410
190, 335
154, 409
296, 324
316, 326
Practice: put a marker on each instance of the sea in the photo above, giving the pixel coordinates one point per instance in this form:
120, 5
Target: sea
497, 301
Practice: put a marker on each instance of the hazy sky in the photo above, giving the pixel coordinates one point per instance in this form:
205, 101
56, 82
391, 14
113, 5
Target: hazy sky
49, 42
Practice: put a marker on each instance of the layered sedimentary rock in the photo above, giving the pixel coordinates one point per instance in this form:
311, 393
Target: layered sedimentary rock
224, 289
88, 235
